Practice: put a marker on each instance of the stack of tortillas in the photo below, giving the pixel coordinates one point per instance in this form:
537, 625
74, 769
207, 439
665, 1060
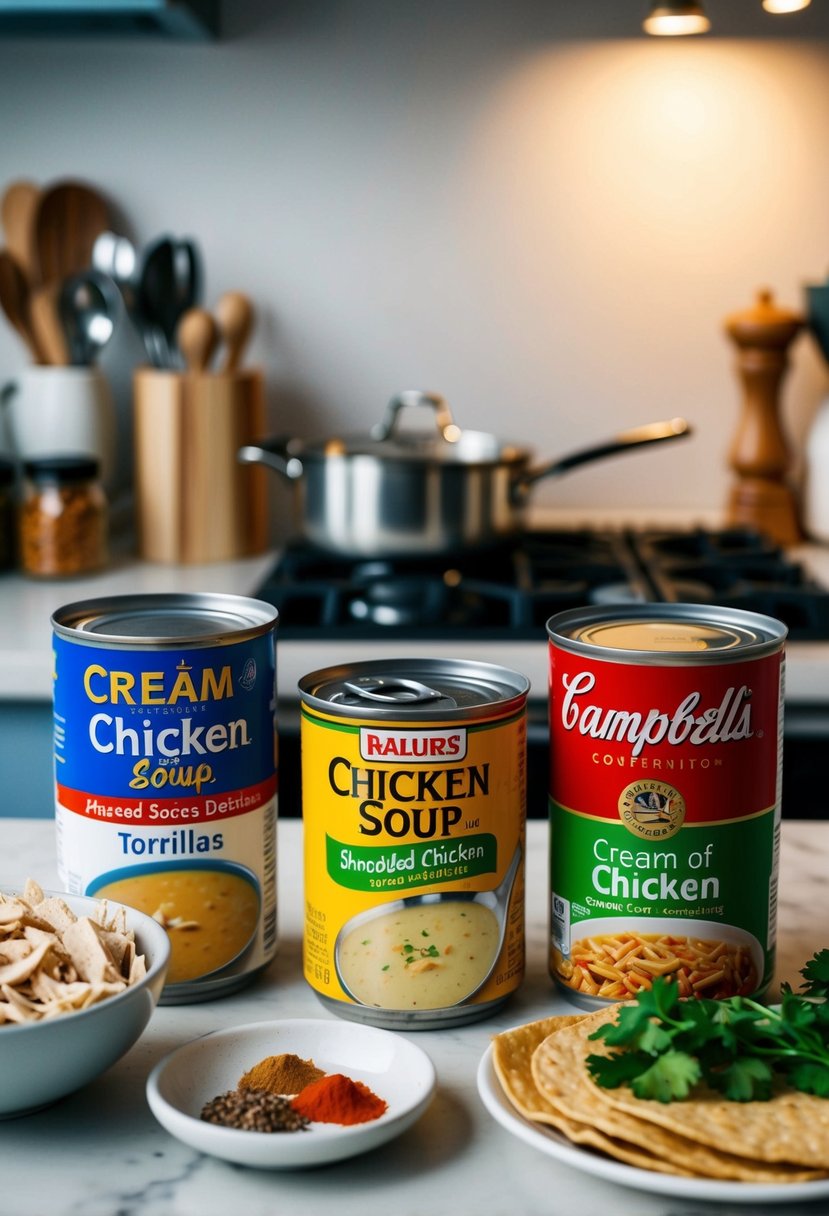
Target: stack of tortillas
542, 1070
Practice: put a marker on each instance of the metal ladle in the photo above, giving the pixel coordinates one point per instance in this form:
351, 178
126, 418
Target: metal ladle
89, 306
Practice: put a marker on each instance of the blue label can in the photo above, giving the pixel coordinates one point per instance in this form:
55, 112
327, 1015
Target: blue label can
165, 751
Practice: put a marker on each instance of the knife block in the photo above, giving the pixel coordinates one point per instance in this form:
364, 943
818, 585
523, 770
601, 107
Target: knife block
195, 502
760, 495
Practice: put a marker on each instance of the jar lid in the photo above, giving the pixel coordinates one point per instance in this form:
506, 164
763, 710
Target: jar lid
61, 469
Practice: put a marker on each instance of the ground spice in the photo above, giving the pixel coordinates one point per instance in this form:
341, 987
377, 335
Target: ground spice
282, 1074
253, 1111
338, 1099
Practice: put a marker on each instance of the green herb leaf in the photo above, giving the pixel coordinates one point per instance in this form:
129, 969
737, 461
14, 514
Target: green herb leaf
670, 1076
816, 975
665, 1044
618, 1068
746, 1080
810, 1078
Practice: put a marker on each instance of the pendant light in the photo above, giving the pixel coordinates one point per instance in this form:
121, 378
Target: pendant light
785, 6
678, 19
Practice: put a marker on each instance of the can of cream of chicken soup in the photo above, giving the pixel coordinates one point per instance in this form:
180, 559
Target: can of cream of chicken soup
414, 801
665, 775
165, 773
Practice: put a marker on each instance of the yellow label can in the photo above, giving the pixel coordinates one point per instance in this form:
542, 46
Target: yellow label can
414, 804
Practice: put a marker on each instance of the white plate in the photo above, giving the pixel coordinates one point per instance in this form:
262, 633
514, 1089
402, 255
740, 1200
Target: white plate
551, 1142
190, 1076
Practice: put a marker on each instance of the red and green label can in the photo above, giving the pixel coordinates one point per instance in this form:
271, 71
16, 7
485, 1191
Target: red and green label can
665, 779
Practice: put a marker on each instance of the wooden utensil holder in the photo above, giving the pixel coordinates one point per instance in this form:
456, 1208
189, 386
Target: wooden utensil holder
195, 502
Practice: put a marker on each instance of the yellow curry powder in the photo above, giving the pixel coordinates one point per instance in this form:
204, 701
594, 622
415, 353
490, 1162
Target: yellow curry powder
282, 1074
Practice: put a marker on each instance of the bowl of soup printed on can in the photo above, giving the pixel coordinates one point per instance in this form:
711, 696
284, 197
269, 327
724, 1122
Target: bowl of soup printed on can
423, 952
613, 958
210, 909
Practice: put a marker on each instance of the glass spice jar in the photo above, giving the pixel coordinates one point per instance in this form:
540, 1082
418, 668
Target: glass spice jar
63, 517
7, 513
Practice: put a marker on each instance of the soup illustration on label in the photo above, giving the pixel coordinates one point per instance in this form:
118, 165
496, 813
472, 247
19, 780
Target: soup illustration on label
665, 779
166, 788
414, 802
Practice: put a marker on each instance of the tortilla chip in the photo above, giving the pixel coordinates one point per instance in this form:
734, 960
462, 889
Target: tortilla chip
767, 1141
52, 961
85, 942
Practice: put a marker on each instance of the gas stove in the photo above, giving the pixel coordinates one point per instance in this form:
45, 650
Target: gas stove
508, 594
493, 607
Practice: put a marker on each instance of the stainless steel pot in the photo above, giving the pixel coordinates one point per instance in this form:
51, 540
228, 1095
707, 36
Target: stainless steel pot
410, 494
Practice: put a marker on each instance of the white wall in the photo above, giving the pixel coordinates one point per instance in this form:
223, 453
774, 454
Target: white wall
508, 203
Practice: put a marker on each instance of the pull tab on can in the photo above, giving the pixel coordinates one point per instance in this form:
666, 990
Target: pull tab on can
394, 691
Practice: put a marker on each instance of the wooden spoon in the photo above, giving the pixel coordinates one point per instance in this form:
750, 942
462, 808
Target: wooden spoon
69, 218
197, 337
234, 313
15, 302
17, 211
47, 326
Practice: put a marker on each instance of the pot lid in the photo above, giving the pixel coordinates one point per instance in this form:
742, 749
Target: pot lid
446, 444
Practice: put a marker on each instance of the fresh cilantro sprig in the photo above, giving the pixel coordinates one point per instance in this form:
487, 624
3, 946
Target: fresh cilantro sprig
665, 1045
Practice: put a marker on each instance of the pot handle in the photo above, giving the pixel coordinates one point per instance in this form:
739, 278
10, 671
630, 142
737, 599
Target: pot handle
444, 421
276, 453
651, 432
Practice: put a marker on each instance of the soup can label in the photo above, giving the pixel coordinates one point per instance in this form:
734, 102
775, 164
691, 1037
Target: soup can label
165, 774
414, 802
665, 777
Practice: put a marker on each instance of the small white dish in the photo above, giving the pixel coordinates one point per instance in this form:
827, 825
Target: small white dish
554, 1144
187, 1078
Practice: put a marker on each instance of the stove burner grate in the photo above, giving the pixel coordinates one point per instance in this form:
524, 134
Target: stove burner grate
510, 593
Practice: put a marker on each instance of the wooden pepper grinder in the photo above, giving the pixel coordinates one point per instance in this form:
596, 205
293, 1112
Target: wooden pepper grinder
761, 497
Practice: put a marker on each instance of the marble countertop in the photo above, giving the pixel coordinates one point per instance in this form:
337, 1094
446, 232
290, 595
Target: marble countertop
100, 1151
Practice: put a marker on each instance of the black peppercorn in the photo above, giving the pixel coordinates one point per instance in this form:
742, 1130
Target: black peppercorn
253, 1110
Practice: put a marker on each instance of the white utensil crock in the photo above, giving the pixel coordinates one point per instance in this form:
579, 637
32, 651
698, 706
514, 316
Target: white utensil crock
52, 411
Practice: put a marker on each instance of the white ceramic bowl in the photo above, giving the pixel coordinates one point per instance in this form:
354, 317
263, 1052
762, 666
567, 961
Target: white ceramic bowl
43, 1061
393, 1067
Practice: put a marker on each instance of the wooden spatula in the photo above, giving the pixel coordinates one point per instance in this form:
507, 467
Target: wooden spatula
47, 326
70, 216
17, 211
15, 302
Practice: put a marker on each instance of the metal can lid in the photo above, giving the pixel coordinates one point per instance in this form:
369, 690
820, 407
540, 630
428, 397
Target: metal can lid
159, 620
674, 634
413, 688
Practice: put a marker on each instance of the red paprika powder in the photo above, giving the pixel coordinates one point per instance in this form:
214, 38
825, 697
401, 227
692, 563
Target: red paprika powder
338, 1099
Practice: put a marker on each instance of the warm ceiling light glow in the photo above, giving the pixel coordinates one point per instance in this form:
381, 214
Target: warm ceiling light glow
785, 6
677, 19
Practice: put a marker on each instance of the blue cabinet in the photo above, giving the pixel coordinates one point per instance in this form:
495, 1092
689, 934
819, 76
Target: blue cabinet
26, 776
